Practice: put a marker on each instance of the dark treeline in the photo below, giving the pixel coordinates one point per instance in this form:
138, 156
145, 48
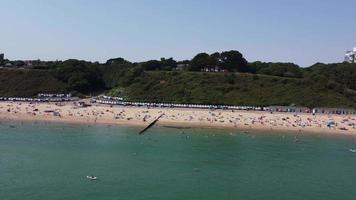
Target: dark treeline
232, 85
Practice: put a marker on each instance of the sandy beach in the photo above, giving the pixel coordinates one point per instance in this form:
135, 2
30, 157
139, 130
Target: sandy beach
142, 116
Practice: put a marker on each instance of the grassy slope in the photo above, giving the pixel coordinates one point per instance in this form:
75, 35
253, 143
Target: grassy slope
27, 83
241, 89
190, 87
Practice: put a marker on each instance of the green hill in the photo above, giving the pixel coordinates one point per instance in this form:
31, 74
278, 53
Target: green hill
28, 83
233, 89
255, 84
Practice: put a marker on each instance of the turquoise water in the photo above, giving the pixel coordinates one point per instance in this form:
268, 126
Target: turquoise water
51, 161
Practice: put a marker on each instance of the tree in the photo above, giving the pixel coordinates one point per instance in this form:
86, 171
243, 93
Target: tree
151, 65
118, 61
277, 69
200, 61
233, 61
78, 82
168, 64
130, 75
254, 67
215, 59
80, 76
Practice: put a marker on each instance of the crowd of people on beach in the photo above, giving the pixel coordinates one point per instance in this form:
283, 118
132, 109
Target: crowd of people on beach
97, 113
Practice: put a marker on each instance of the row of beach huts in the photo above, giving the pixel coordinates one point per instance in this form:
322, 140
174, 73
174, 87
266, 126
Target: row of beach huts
292, 109
295, 109
173, 105
43, 98
120, 102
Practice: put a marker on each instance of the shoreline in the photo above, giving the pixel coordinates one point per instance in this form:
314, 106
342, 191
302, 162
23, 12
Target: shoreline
185, 127
178, 118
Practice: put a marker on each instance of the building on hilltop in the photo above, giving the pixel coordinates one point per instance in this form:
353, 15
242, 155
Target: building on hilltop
350, 56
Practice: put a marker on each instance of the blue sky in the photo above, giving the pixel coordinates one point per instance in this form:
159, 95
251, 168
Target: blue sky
299, 31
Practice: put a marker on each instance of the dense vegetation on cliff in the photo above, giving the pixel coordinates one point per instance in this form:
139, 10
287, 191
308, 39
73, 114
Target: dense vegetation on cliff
234, 89
27, 83
237, 82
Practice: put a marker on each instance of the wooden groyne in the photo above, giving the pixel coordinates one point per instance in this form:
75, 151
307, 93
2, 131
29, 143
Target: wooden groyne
150, 125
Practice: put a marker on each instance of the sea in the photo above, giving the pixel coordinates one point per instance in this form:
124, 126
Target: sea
52, 161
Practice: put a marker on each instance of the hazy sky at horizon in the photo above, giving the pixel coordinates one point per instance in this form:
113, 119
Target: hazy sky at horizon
299, 31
